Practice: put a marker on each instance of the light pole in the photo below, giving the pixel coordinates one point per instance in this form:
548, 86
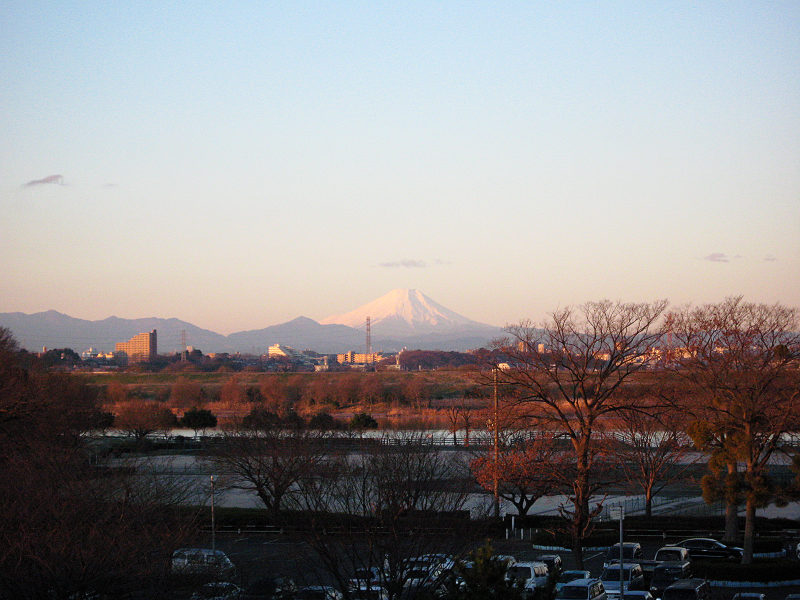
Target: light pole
621, 511
496, 450
213, 536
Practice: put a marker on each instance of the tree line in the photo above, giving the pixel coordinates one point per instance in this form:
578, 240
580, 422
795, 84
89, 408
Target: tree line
575, 404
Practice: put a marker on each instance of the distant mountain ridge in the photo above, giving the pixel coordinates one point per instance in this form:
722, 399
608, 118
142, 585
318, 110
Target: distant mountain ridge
401, 318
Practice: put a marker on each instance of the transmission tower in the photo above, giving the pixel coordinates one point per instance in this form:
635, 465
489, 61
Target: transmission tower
369, 341
184, 354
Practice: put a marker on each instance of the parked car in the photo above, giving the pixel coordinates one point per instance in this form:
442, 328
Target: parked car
688, 589
631, 552
667, 573
672, 553
553, 562
361, 577
445, 561
269, 588
582, 589
749, 596
533, 577
318, 592
218, 590
569, 576
505, 558
707, 548
637, 595
364, 592
632, 578
202, 561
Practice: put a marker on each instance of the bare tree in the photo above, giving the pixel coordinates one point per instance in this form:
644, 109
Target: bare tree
454, 417
654, 449
232, 392
140, 419
270, 461
570, 371
526, 470
389, 502
185, 393
739, 355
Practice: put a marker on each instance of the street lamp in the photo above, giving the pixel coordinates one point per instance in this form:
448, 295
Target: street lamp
496, 451
619, 511
213, 536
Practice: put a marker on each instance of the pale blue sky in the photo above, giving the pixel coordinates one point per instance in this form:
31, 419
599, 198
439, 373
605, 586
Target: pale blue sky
239, 164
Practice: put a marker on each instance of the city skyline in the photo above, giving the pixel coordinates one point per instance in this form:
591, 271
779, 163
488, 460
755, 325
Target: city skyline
238, 166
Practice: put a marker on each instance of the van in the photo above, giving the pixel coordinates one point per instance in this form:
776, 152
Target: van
688, 589
202, 561
582, 589
532, 576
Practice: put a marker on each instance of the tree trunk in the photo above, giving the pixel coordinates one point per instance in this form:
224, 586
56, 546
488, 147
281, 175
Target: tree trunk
580, 518
577, 551
648, 503
749, 530
731, 512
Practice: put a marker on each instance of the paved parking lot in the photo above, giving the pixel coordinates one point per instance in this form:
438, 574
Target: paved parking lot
280, 555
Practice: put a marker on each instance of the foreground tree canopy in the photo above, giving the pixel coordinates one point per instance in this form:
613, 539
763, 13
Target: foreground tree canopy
740, 357
569, 371
62, 514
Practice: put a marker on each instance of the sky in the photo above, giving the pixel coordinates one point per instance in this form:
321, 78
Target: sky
239, 164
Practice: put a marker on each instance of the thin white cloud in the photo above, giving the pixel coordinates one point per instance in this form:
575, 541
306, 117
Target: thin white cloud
50, 179
406, 263
770, 258
717, 257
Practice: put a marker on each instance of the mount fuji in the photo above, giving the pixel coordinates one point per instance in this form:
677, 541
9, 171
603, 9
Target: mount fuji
404, 313
401, 318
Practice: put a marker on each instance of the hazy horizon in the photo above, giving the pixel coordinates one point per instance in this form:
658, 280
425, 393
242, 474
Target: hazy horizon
237, 166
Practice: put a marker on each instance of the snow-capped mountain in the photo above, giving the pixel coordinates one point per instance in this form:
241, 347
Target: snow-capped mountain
402, 313
401, 318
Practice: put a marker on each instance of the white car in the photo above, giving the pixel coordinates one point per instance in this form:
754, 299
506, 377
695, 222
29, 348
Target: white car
568, 576
202, 561
372, 592
582, 589
532, 576
632, 577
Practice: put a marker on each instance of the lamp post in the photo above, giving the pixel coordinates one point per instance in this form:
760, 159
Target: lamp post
213, 536
619, 511
496, 450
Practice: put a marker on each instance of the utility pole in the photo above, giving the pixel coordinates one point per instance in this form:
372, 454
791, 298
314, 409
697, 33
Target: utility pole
213, 535
621, 510
496, 450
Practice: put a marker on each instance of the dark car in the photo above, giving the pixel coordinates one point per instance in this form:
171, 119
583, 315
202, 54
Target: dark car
668, 573
269, 588
707, 548
688, 589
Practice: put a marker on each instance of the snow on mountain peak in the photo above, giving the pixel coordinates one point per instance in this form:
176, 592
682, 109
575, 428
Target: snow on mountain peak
402, 311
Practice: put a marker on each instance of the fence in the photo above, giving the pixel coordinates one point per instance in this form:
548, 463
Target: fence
675, 505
